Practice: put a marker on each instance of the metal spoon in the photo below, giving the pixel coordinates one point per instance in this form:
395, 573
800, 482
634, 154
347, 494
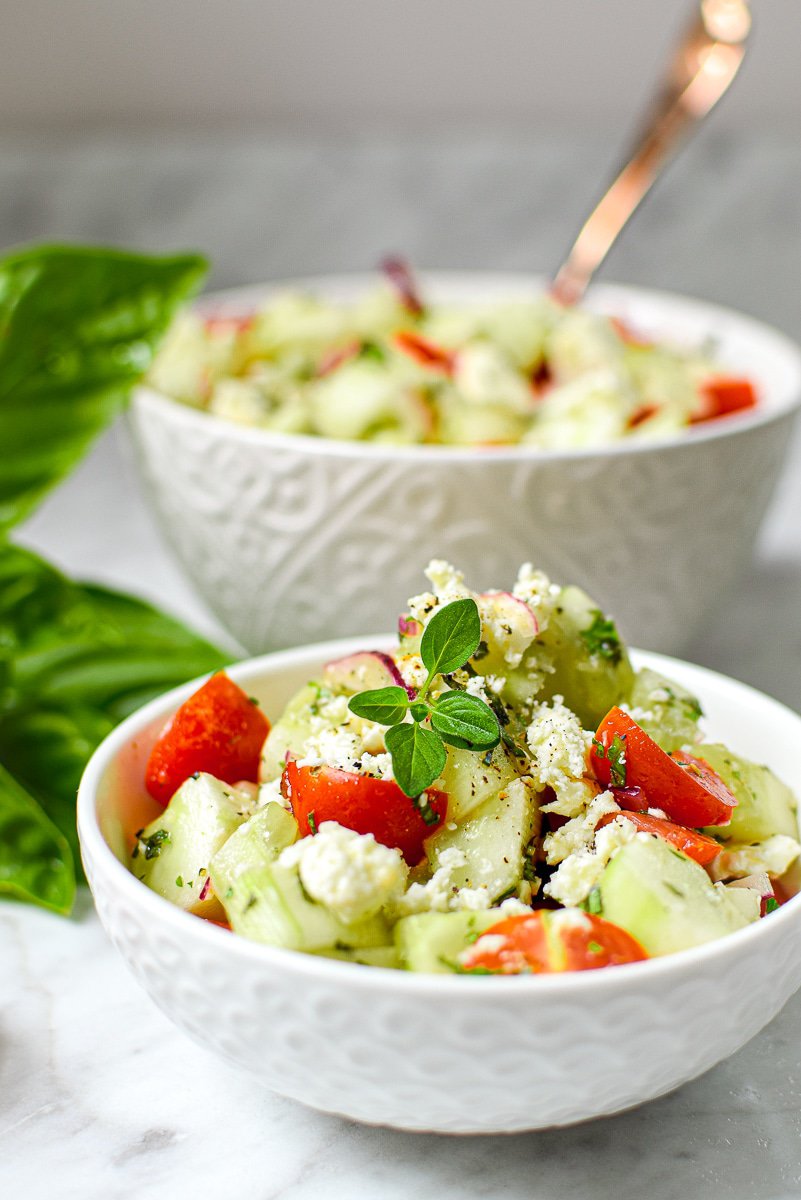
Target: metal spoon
703, 66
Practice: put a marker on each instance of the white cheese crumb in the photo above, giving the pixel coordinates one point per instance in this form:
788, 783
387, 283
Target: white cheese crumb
270, 793
573, 881
352, 874
559, 748
774, 856
578, 834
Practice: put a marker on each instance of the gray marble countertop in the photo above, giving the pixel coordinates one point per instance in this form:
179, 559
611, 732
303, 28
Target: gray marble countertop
99, 1095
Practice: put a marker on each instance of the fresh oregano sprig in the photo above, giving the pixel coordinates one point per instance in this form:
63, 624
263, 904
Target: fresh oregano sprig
455, 718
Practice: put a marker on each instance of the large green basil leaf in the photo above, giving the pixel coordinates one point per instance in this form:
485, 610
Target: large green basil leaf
78, 328
35, 861
74, 660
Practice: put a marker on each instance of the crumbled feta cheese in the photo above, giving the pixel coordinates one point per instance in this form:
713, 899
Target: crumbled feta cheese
352, 874
578, 834
492, 943
447, 581
441, 893
377, 765
559, 748
572, 882
475, 686
535, 589
570, 918
774, 856
513, 907
332, 747
413, 672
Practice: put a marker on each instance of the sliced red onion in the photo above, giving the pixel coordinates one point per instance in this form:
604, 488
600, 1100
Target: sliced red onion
363, 671
399, 274
630, 798
204, 891
409, 626
512, 611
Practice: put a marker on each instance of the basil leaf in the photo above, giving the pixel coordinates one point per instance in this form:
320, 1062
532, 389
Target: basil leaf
74, 660
451, 636
72, 645
418, 757
35, 860
385, 705
78, 328
465, 721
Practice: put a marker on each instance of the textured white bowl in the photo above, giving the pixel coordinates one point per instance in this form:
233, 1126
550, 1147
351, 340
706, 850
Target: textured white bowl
451, 1054
291, 539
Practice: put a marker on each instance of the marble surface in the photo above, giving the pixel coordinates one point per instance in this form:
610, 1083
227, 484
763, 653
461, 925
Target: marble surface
99, 1097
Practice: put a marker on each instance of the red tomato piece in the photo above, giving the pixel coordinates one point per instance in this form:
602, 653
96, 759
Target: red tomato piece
697, 846
684, 787
366, 805
423, 351
219, 729
725, 394
545, 942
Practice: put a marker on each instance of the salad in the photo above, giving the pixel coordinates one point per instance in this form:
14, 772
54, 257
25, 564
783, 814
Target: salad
394, 369
501, 794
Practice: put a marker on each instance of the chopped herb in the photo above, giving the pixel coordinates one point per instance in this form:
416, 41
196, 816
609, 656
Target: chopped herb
529, 870
671, 887
594, 903
771, 904
692, 708
179, 881
152, 845
423, 806
372, 352
615, 754
594, 947
506, 895
252, 700
312, 822
602, 638
251, 901
487, 759
228, 893
481, 651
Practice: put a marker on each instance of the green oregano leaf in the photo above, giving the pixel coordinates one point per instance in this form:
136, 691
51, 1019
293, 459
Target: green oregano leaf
385, 705
465, 721
418, 757
451, 636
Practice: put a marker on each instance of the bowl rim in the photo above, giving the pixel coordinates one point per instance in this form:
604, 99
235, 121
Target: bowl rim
603, 297
95, 850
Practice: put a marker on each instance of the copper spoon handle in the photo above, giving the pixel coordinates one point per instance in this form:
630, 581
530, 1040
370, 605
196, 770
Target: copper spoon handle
703, 66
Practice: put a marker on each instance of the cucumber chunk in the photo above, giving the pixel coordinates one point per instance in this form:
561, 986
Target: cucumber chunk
492, 841
765, 805
267, 903
173, 853
664, 900
431, 941
589, 665
665, 710
471, 779
259, 841
368, 956
290, 732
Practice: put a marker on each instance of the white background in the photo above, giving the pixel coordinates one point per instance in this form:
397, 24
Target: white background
323, 63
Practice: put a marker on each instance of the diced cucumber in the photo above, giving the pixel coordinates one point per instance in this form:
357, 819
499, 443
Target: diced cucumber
368, 956
747, 900
173, 853
470, 779
268, 904
256, 843
590, 665
290, 732
431, 941
663, 899
665, 710
765, 805
492, 841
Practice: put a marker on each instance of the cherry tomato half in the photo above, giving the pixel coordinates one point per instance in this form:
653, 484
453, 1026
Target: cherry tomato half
367, 805
683, 786
544, 942
219, 729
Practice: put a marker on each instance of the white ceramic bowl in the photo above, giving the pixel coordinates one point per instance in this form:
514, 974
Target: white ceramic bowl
290, 539
452, 1054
